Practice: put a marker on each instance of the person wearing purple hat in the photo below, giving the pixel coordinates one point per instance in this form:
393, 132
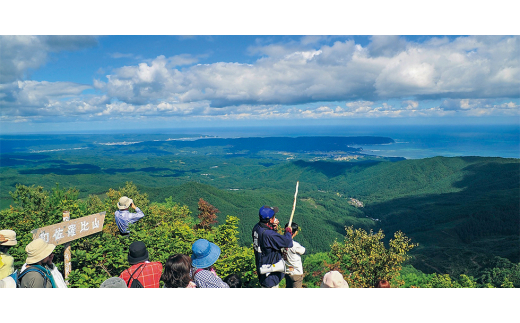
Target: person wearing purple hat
268, 244
204, 255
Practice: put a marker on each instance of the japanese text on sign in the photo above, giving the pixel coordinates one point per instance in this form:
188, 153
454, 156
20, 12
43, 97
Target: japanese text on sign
66, 231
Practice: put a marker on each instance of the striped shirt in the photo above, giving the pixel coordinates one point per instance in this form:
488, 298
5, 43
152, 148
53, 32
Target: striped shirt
124, 218
207, 279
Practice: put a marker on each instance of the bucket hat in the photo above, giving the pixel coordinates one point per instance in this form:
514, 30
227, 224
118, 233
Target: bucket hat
333, 279
137, 253
9, 238
113, 282
267, 212
204, 253
124, 203
37, 250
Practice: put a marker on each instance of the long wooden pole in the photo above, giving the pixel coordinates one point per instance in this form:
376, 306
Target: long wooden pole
66, 252
294, 204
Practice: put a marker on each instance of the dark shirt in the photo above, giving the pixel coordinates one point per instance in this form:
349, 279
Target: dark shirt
267, 244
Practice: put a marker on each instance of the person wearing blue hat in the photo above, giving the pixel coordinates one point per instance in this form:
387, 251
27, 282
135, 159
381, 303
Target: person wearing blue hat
268, 244
204, 255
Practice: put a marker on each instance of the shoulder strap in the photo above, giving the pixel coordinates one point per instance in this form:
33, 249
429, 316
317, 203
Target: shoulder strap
30, 269
130, 279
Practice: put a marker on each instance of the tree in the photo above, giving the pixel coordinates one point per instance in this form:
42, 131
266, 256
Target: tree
207, 215
166, 229
365, 258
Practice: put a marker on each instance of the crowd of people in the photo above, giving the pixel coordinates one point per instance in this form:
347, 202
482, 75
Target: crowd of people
277, 257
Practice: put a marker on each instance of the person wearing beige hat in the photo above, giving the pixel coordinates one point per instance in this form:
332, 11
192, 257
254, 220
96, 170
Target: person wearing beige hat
124, 217
7, 240
36, 273
334, 279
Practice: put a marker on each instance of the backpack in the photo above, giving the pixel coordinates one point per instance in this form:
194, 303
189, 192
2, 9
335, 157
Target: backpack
18, 276
135, 282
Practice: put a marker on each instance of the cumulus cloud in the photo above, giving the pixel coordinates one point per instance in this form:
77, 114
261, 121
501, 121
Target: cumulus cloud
18, 54
465, 68
295, 79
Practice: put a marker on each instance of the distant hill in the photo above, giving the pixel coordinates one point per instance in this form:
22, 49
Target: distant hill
462, 211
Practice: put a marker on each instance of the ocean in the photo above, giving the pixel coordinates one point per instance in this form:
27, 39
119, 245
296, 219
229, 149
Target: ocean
411, 142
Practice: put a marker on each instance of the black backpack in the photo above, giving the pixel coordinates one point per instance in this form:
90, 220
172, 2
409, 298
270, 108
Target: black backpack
135, 282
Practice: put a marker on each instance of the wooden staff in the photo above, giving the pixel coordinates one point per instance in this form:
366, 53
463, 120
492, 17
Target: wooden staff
294, 204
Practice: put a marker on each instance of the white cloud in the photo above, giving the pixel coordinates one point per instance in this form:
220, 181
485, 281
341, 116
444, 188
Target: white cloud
465, 67
19, 54
470, 74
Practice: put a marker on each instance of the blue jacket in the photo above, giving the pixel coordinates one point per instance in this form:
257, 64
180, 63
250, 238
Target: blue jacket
267, 244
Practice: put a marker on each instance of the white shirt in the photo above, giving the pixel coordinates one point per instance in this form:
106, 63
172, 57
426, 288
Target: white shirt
294, 258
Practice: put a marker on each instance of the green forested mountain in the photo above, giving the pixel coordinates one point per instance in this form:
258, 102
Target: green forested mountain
462, 211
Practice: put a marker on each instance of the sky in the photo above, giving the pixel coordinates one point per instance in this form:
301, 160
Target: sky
74, 80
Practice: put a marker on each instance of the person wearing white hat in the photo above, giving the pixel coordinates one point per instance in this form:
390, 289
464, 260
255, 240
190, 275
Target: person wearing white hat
124, 217
36, 272
334, 279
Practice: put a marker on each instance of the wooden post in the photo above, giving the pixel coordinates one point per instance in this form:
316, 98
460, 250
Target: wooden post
66, 252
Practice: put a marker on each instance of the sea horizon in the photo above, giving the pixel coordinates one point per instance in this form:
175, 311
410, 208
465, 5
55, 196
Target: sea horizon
411, 141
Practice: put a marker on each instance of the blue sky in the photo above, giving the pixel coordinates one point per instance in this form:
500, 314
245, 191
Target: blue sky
77, 82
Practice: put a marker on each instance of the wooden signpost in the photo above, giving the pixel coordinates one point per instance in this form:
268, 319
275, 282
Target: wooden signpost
69, 230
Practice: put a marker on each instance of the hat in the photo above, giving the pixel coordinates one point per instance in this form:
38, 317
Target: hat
113, 282
137, 253
333, 279
124, 203
267, 212
204, 254
10, 235
38, 250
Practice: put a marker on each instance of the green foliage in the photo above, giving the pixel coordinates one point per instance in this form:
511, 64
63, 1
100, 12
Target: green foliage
501, 273
365, 257
166, 229
314, 267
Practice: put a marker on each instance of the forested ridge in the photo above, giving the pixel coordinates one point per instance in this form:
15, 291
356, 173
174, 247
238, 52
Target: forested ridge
462, 212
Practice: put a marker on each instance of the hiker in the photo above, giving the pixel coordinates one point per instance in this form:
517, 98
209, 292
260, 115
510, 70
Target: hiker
36, 273
233, 281
293, 259
124, 217
177, 272
7, 240
204, 255
334, 279
267, 244
7, 272
142, 273
113, 282
383, 284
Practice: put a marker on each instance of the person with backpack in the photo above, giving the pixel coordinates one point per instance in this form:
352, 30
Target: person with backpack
204, 255
142, 273
268, 244
36, 273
